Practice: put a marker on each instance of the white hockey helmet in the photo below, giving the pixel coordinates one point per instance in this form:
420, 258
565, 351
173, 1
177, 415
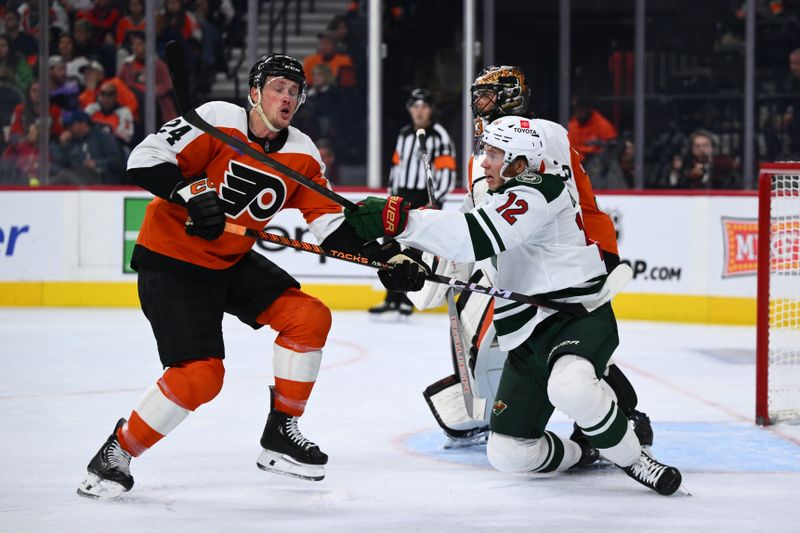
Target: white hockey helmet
516, 136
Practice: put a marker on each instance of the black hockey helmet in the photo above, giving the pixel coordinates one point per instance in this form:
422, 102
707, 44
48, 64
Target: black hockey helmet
508, 83
279, 66
419, 95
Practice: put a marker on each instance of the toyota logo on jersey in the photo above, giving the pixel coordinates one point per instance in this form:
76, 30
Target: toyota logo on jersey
524, 123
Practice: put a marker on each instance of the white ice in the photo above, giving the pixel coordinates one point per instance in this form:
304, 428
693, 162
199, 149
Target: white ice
69, 374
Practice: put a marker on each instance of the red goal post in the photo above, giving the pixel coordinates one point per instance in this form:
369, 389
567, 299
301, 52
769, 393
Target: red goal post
778, 299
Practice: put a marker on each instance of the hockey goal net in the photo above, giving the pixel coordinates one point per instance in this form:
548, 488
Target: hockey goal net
778, 319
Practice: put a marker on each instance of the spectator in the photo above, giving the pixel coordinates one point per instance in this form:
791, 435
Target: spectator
85, 155
590, 133
66, 49
111, 116
328, 156
14, 70
94, 77
132, 75
133, 21
103, 17
324, 103
20, 41
619, 172
24, 156
82, 38
702, 168
64, 90
791, 116
27, 113
327, 55
175, 23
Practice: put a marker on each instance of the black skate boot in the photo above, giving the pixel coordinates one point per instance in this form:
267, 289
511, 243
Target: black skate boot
589, 453
404, 305
465, 439
109, 472
663, 479
389, 304
286, 451
642, 428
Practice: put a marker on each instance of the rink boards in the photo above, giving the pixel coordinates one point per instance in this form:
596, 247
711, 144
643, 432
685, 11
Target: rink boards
693, 255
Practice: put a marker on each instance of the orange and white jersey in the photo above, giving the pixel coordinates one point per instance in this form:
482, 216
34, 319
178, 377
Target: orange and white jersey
251, 192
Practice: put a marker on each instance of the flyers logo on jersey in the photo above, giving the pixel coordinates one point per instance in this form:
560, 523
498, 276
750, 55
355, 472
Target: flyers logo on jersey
248, 189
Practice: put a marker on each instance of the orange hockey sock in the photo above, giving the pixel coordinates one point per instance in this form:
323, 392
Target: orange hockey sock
181, 390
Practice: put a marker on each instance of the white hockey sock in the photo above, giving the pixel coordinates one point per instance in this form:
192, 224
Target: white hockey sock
547, 454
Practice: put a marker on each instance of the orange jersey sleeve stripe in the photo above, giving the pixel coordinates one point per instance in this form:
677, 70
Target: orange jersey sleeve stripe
443, 162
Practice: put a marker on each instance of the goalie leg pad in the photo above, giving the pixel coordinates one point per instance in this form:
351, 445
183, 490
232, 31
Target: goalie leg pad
446, 402
546, 454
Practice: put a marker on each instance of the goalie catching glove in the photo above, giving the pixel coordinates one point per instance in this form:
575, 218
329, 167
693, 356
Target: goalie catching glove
408, 271
379, 217
206, 214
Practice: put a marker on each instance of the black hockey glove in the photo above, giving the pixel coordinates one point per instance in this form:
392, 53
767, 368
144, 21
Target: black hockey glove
206, 214
408, 271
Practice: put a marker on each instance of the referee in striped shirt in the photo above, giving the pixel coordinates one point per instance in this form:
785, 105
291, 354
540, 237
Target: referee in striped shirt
407, 177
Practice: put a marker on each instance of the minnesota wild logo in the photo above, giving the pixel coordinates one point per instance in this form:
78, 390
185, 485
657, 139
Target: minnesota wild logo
498, 407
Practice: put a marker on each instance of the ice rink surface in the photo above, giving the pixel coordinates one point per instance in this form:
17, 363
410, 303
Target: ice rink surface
68, 375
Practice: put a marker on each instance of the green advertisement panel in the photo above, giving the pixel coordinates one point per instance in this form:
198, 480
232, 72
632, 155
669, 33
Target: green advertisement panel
134, 214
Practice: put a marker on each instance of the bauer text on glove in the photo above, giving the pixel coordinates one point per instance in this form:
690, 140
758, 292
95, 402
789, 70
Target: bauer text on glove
378, 217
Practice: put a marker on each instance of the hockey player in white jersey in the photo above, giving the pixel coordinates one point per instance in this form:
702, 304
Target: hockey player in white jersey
531, 224
499, 91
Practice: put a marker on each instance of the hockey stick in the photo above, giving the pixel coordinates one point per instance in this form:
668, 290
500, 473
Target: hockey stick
177, 71
303, 246
476, 406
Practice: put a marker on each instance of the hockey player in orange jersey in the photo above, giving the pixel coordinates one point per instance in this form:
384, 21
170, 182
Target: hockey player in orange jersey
496, 92
191, 272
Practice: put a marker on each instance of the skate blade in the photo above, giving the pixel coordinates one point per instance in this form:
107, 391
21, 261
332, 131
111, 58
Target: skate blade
281, 464
454, 444
100, 489
682, 491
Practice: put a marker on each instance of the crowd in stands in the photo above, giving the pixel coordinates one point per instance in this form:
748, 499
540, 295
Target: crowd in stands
96, 63
96, 80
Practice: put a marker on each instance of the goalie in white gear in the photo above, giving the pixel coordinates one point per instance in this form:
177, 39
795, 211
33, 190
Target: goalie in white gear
499, 91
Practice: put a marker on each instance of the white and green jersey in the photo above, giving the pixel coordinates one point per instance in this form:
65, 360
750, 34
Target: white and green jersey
532, 225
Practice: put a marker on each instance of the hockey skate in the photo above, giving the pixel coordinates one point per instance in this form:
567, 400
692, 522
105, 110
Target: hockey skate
663, 479
589, 454
382, 308
108, 474
473, 437
286, 451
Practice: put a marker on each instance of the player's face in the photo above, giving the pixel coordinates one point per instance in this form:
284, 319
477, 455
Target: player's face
491, 165
279, 99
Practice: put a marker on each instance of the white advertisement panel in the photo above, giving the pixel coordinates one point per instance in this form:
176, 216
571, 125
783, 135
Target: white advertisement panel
690, 245
700, 245
39, 235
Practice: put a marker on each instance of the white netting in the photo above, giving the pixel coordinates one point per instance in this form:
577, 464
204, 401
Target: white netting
784, 299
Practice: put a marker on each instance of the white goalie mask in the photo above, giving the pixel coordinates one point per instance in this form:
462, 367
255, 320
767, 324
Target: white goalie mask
516, 136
